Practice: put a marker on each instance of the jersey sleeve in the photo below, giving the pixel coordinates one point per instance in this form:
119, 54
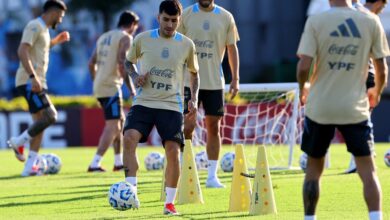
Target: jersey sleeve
192, 59
232, 33
380, 47
30, 33
308, 43
135, 51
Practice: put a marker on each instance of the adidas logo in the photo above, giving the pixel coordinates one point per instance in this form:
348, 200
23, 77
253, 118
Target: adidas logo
348, 29
178, 136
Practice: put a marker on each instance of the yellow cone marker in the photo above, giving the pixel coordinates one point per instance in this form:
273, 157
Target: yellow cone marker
262, 201
189, 190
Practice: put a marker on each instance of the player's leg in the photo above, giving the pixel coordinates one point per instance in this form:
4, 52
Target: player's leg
213, 104
117, 144
139, 123
169, 125
360, 142
112, 113
316, 139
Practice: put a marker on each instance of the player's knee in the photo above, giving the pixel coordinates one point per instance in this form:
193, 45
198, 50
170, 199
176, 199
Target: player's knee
213, 130
129, 142
50, 115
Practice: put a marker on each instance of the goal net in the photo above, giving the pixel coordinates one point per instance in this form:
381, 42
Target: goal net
262, 114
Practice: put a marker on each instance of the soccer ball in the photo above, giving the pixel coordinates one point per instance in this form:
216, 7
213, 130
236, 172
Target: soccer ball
201, 160
227, 162
303, 161
123, 196
53, 163
40, 165
154, 161
387, 158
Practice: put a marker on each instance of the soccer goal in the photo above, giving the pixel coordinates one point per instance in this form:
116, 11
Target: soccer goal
262, 114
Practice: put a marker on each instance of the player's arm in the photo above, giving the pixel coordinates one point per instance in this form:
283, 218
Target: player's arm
234, 62
92, 64
24, 57
60, 38
124, 46
380, 80
303, 70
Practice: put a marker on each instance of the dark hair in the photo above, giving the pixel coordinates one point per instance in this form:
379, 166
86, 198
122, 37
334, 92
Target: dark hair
127, 18
373, 1
49, 4
171, 7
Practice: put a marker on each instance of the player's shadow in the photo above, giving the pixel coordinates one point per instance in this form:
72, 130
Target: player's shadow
12, 177
50, 194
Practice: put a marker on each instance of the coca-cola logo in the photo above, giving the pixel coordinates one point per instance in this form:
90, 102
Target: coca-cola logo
167, 73
204, 43
350, 49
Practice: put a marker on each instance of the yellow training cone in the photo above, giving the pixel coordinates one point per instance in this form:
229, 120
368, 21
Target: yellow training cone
163, 193
262, 201
240, 192
189, 188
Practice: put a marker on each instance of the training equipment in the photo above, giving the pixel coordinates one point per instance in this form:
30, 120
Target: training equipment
54, 163
303, 161
227, 162
154, 161
387, 158
262, 199
40, 166
189, 190
123, 196
240, 192
267, 114
201, 160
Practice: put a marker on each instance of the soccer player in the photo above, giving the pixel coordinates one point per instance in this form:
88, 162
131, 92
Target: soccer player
213, 29
162, 54
376, 7
106, 66
341, 40
33, 53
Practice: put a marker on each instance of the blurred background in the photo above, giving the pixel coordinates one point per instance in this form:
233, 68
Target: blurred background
270, 31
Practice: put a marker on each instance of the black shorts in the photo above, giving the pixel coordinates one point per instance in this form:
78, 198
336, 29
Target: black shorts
169, 123
36, 101
112, 107
212, 101
316, 138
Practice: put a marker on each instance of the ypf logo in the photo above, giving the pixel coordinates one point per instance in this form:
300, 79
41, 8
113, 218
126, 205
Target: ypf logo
206, 25
165, 53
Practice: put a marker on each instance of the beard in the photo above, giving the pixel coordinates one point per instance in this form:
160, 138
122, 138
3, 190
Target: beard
54, 25
205, 4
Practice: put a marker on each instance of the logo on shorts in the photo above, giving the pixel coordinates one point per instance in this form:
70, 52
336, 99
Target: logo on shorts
165, 53
206, 25
221, 110
178, 135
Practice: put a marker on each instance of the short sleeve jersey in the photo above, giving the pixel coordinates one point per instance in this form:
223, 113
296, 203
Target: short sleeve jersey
341, 40
211, 32
108, 80
164, 59
36, 34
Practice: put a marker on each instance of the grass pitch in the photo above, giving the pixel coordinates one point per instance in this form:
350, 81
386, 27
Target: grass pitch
76, 194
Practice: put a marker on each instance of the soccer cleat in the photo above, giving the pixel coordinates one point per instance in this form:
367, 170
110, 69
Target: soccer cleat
117, 168
96, 170
169, 209
33, 171
18, 150
214, 183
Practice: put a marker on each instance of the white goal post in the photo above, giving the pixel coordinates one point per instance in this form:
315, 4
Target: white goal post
262, 114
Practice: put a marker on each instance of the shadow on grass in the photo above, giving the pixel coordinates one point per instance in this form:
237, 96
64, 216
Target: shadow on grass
50, 194
11, 177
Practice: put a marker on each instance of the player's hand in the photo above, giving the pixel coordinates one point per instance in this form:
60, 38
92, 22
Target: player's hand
36, 85
373, 97
304, 93
234, 87
63, 37
142, 79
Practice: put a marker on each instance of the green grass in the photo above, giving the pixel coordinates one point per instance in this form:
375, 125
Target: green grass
75, 194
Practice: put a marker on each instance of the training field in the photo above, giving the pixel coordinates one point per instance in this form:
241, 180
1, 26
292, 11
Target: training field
76, 194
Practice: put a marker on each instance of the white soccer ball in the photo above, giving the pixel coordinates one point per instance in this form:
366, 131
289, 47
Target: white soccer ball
227, 162
201, 160
123, 196
53, 163
387, 158
40, 165
303, 161
154, 161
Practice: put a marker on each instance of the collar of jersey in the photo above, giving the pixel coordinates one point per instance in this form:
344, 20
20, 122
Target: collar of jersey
196, 9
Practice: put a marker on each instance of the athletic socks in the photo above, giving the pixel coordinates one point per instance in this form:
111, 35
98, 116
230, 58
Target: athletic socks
375, 215
132, 180
23, 138
118, 160
212, 169
96, 161
170, 195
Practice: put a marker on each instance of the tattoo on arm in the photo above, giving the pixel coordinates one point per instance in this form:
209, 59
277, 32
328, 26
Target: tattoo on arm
131, 70
194, 85
311, 194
